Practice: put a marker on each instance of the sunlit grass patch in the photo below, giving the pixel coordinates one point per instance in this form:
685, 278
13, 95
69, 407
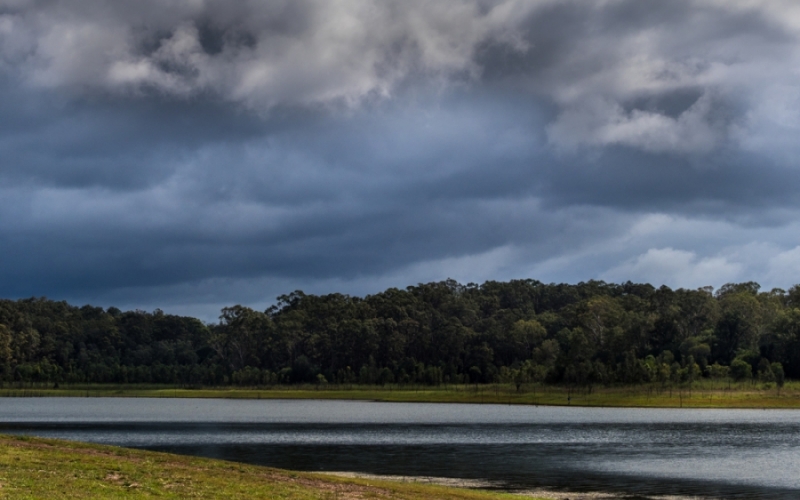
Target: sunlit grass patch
701, 394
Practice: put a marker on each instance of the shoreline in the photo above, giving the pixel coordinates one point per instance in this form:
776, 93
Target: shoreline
86, 470
711, 397
83, 470
481, 484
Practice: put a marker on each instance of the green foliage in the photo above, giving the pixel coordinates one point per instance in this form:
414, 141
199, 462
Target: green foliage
717, 371
741, 370
778, 374
519, 332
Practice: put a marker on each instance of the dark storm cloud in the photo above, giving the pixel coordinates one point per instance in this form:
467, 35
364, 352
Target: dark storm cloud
306, 200
728, 184
187, 153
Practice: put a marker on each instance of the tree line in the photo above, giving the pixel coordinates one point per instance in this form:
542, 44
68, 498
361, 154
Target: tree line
519, 332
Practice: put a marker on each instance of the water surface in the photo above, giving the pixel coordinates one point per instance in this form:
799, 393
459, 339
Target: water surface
712, 453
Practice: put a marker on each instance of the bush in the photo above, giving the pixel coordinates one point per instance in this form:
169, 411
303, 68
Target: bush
718, 371
765, 373
780, 376
741, 370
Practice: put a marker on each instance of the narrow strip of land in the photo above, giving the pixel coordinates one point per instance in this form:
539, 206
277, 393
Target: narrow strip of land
537, 493
702, 395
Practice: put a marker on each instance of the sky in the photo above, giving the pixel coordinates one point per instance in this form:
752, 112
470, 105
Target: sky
193, 154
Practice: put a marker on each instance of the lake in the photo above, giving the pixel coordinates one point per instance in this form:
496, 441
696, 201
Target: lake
631, 452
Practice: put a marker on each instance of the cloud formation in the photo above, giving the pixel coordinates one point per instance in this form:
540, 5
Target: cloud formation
190, 154
262, 54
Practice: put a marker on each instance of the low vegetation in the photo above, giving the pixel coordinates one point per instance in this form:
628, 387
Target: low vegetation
701, 394
47, 468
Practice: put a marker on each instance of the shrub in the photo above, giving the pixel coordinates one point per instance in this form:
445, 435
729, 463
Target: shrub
718, 371
741, 370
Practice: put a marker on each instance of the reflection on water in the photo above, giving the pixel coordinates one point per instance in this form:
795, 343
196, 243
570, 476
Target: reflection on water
722, 453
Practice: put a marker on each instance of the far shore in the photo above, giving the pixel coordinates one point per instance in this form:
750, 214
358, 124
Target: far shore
704, 394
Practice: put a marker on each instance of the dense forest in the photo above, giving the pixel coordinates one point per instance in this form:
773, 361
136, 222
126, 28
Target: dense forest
437, 333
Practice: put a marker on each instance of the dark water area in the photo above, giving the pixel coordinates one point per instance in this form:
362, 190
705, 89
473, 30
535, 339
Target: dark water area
630, 452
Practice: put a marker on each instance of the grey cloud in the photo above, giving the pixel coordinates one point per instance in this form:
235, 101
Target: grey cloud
669, 77
728, 184
127, 145
333, 197
260, 54
150, 149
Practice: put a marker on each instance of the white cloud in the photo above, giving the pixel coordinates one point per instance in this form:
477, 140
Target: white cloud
318, 51
603, 123
646, 249
784, 267
675, 268
608, 88
266, 53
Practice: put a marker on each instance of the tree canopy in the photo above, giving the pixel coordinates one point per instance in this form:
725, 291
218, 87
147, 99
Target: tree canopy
444, 332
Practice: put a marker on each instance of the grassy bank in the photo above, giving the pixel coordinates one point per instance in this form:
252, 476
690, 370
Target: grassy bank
47, 468
703, 394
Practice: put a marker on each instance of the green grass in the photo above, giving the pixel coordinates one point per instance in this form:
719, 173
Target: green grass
49, 468
702, 394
